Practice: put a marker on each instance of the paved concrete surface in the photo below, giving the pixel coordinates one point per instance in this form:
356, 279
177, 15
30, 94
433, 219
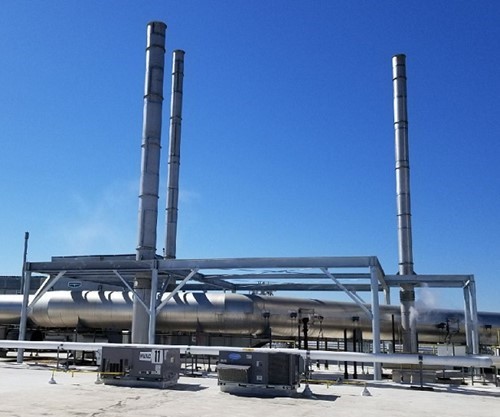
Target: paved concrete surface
25, 391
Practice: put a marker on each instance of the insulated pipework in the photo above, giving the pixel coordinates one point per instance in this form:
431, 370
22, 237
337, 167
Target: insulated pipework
174, 154
150, 167
407, 292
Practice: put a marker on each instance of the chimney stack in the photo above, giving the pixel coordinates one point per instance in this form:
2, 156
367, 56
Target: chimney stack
407, 292
149, 185
174, 154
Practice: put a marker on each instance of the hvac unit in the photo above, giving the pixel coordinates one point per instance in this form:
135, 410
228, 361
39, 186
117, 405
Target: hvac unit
258, 373
140, 367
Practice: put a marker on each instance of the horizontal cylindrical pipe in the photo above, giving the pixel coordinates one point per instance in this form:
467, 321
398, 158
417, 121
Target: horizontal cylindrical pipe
237, 314
402, 359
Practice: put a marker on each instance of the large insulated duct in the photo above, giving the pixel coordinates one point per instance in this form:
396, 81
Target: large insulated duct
174, 154
407, 292
238, 314
150, 167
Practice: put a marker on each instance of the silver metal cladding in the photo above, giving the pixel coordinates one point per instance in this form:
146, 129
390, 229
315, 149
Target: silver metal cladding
151, 141
405, 248
402, 165
150, 169
174, 154
238, 314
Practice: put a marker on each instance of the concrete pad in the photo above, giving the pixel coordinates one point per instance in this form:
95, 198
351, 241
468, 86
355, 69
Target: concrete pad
25, 391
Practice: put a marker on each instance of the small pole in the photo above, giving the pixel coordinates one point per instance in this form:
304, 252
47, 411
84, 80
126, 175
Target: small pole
355, 320
346, 373
24, 316
421, 370
305, 329
307, 389
25, 290
25, 254
393, 334
98, 379
52, 379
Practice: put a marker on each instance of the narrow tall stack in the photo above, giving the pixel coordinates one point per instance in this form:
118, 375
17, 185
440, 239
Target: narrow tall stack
150, 167
407, 293
174, 154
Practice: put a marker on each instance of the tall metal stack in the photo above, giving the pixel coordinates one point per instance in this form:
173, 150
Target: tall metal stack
174, 153
407, 292
150, 167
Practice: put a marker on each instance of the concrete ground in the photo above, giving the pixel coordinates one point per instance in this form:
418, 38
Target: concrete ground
25, 391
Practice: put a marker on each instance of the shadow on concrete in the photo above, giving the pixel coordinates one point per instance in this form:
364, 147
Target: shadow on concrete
324, 397
187, 387
437, 388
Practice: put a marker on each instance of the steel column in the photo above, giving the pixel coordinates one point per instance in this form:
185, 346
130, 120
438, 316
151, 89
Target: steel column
475, 330
25, 255
152, 306
468, 320
377, 371
24, 315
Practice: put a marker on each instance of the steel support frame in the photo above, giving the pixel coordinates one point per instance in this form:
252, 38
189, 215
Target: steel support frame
24, 314
130, 265
151, 310
376, 276
152, 306
352, 295
110, 265
46, 285
468, 285
124, 281
470, 313
176, 290
27, 305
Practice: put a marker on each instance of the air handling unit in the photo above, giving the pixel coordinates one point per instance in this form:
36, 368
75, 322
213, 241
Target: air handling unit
258, 373
140, 367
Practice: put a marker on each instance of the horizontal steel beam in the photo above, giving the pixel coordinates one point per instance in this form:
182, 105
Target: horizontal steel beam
89, 266
305, 287
286, 275
436, 281
94, 264
259, 263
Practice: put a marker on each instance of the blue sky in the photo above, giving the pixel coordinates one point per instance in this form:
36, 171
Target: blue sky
287, 146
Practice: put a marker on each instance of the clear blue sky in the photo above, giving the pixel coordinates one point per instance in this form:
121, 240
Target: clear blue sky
287, 146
